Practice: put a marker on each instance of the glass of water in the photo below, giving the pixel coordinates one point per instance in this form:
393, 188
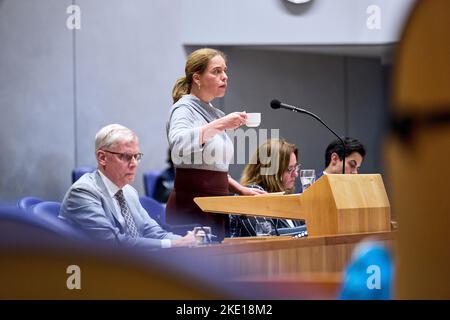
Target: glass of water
263, 228
307, 178
202, 235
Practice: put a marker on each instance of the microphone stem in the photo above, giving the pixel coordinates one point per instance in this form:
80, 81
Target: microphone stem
295, 109
275, 227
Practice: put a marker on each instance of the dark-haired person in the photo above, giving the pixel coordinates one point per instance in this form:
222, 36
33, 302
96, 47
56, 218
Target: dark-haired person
201, 150
354, 156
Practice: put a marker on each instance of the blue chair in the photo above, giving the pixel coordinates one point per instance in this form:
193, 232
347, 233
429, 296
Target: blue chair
150, 178
32, 251
154, 209
48, 212
26, 203
370, 274
79, 171
46, 208
16, 226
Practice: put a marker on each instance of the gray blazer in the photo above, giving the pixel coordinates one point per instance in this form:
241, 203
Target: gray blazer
88, 206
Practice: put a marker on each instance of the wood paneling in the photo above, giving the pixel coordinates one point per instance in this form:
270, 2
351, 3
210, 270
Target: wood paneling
275, 256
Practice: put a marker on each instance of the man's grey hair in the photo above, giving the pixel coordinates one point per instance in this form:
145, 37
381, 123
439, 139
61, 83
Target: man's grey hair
111, 134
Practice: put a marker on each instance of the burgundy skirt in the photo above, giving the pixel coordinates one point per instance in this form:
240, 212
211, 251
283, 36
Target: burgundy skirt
191, 183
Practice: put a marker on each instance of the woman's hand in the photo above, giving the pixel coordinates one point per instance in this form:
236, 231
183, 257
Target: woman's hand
236, 187
230, 121
233, 120
251, 191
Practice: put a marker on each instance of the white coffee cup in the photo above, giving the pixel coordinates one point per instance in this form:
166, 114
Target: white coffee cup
253, 119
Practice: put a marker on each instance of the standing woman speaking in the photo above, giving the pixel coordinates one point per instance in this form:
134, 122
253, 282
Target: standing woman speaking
201, 150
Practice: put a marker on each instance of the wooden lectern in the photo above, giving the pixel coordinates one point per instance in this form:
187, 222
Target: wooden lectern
334, 204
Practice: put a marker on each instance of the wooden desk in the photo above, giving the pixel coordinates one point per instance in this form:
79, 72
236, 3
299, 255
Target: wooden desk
334, 204
288, 266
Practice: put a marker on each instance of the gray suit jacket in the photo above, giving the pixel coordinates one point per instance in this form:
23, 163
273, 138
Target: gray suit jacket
88, 206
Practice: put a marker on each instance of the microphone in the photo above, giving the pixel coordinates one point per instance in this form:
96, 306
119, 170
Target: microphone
276, 104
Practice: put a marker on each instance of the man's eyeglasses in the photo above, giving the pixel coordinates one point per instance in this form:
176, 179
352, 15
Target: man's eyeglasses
126, 156
296, 168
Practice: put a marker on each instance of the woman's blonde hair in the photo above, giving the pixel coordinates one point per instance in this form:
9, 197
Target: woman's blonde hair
273, 149
197, 62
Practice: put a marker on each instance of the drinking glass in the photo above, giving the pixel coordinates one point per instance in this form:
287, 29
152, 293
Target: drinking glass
307, 178
202, 235
263, 228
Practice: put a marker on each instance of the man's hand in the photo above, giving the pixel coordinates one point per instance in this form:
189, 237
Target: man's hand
187, 241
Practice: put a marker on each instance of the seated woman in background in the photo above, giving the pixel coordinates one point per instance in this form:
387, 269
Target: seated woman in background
276, 175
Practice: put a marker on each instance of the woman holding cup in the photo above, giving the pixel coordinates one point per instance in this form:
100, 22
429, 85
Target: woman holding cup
201, 150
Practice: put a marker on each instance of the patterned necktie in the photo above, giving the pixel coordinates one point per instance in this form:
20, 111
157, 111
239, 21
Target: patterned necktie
131, 225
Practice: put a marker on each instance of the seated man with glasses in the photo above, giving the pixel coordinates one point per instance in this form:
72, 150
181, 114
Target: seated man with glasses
273, 168
106, 207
